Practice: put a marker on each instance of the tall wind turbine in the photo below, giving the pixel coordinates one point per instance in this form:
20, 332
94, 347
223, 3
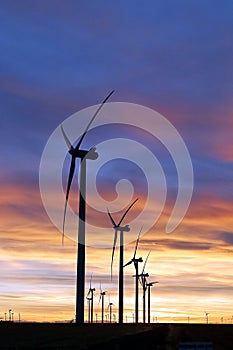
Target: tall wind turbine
149, 285
121, 229
101, 298
143, 281
83, 155
136, 261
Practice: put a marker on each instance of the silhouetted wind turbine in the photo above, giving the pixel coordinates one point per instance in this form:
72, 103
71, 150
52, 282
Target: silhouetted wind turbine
89, 308
121, 229
149, 285
136, 261
207, 318
90, 298
101, 298
143, 277
110, 304
10, 313
76, 152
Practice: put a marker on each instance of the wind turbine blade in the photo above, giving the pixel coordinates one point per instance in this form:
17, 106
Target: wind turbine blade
89, 124
123, 216
128, 263
113, 249
145, 282
111, 218
145, 262
140, 279
91, 280
100, 293
71, 174
137, 241
88, 293
66, 139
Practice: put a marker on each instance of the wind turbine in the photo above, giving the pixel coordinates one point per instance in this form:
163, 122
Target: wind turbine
149, 285
207, 318
76, 152
90, 298
136, 261
121, 229
143, 281
102, 294
10, 314
110, 305
89, 308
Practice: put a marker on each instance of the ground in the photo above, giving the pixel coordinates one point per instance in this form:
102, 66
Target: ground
111, 336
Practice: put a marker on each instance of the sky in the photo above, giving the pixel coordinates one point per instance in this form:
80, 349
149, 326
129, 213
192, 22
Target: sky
174, 57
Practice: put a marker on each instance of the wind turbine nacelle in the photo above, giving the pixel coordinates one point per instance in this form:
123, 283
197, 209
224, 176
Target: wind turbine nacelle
125, 228
150, 284
92, 154
143, 275
80, 153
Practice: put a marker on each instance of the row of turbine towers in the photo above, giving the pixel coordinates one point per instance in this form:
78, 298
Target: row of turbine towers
91, 154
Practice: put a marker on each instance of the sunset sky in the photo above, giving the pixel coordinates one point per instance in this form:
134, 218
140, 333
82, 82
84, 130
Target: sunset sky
174, 57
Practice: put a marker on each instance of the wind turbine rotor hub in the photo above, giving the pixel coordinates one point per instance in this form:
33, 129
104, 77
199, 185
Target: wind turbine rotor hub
144, 275
125, 228
80, 153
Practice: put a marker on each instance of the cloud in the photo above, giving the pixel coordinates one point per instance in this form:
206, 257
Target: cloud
226, 237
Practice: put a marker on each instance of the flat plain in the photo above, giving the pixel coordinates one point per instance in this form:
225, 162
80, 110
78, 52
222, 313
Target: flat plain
112, 336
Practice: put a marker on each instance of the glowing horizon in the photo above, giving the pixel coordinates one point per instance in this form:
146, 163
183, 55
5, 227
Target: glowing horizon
183, 261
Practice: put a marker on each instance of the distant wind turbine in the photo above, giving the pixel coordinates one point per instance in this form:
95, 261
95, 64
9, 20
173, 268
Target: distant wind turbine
207, 317
10, 314
143, 281
110, 305
121, 229
149, 285
76, 152
101, 298
90, 298
136, 261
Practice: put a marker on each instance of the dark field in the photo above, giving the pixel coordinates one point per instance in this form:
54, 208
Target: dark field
112, 336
